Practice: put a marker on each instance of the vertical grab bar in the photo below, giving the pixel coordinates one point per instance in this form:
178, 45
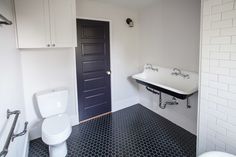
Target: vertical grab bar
11, 134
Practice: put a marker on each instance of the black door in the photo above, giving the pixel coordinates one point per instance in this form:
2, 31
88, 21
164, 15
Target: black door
93, 68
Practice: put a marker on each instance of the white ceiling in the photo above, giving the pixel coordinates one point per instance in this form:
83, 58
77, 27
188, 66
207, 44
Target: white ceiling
135, 4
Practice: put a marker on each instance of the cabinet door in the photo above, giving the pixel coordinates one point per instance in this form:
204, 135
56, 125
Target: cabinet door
33, 27
63, 23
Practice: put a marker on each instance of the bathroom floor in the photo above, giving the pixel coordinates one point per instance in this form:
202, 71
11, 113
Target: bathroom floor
134, 131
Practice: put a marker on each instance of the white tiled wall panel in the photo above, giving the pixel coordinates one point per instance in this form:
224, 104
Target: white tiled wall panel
218, 77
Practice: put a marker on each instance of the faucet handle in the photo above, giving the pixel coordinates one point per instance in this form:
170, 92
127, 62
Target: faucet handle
174, 73
176, 70
187, 76
148, 66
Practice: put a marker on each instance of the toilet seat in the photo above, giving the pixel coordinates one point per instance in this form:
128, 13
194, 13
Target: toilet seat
56, 129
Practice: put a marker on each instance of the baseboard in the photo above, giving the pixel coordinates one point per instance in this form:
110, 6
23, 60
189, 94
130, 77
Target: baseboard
119, 105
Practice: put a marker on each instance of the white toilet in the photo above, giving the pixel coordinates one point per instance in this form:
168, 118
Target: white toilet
56, 127
216, 154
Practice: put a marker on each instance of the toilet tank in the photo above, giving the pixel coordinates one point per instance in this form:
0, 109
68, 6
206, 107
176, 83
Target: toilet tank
52, 102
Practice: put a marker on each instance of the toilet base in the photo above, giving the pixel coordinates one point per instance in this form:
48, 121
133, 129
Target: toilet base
59, 150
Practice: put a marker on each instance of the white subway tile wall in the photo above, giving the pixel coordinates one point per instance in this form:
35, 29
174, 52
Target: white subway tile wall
218, 76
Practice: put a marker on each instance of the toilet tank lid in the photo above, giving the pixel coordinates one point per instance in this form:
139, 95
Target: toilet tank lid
43, 92
52, 102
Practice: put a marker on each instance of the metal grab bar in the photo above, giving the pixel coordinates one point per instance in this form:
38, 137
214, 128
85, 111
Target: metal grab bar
11, 134
5, 20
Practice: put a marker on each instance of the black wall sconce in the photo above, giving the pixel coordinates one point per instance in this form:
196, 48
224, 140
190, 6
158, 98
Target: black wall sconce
130, 22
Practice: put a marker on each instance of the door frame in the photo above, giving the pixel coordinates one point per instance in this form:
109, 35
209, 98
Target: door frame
76, 120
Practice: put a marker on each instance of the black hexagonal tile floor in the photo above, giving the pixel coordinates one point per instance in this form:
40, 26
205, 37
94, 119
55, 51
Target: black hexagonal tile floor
131, 132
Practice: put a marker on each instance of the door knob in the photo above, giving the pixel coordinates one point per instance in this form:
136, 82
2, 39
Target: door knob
108, 72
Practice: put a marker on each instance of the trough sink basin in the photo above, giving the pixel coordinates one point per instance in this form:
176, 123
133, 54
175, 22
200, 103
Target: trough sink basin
164, 81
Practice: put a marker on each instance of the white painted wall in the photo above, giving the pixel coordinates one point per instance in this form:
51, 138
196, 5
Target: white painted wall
124, 48
217, 118
47, 69
169, 31
11, 93
169, 37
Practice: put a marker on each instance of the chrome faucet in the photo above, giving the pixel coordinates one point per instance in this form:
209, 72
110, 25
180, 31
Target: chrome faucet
178, 72
149, 66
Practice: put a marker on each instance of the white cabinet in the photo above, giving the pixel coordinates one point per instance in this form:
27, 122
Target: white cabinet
46, 23
63, 23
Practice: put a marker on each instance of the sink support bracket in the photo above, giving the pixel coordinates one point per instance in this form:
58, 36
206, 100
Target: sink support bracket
172, 102
157, 93
188, 104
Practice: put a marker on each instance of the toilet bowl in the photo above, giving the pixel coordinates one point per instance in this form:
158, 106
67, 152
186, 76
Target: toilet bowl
216, 154
56, 126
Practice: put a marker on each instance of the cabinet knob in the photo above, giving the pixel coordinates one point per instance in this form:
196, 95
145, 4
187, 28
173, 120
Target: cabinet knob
48, 45
53, 45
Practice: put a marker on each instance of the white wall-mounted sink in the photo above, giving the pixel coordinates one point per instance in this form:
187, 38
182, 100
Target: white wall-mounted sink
216, 154
164, 81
